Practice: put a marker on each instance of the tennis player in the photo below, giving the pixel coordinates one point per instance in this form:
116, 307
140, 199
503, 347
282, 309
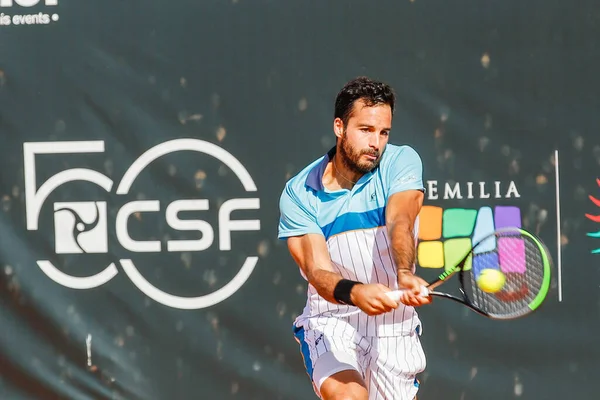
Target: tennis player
350, 219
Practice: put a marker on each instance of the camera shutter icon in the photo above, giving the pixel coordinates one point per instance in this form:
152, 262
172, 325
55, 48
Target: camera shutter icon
80, 227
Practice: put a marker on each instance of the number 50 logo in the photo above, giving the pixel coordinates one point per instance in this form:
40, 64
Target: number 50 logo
81, 227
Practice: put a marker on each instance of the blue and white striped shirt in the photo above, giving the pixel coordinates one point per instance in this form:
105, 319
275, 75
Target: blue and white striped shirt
353, 225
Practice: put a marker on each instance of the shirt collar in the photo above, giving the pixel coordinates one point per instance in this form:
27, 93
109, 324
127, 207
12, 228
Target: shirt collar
314, 179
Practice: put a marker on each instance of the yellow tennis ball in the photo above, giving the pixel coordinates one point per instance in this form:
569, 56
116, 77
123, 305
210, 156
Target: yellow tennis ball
491, 280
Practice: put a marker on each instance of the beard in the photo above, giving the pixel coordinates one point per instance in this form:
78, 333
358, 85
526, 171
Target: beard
351, 157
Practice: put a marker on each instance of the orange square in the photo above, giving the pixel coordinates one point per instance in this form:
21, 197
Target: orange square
430, 223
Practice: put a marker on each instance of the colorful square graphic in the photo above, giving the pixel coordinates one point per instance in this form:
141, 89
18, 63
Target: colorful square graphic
446, 236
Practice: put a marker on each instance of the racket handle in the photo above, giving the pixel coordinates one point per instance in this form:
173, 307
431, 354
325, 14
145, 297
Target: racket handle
395, 294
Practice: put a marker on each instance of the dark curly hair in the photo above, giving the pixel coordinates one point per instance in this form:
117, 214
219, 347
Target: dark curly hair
362, 88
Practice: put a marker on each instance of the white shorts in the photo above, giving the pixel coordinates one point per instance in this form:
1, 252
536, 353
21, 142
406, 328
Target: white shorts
389, 365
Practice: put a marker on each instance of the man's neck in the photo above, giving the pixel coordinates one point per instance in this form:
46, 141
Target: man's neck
337, 176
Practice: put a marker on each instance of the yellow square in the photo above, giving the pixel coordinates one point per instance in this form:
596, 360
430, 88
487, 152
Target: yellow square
430, 254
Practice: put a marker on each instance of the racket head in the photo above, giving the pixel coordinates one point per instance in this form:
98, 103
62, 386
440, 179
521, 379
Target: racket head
522, 259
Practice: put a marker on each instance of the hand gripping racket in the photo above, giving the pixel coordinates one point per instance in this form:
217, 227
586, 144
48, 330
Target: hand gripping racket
523, 261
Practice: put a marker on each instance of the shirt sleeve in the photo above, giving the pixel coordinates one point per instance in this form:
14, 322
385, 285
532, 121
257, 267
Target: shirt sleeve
295, 218
406, 172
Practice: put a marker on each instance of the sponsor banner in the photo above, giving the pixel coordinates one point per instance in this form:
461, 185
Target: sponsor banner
23, 13
81, 227
448, 232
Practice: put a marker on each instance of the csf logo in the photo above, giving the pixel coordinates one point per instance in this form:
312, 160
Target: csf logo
81, 227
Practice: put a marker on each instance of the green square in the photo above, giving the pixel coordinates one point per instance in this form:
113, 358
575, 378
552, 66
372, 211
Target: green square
458, 222
455, 250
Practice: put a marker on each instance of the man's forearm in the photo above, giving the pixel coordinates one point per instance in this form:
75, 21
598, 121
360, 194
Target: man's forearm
403, 246
311, 255
325, 282
332, 286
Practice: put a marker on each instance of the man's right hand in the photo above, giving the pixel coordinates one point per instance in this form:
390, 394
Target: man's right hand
372, 298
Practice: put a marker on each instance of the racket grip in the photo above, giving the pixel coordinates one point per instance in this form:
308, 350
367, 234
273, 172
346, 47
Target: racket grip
396, 294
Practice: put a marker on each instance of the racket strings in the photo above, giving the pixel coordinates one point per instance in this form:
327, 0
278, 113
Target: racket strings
519, 259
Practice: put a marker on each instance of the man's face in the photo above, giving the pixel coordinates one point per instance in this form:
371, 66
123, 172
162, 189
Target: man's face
365, 136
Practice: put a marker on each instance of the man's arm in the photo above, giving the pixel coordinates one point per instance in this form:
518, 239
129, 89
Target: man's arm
401, 213
310, 253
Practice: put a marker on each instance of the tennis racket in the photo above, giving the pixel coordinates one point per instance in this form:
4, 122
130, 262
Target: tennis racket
524, 262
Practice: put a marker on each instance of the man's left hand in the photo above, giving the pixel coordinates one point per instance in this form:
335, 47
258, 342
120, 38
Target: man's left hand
412, 286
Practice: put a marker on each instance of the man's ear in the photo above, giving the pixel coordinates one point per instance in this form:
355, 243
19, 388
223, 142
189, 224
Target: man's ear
338, 127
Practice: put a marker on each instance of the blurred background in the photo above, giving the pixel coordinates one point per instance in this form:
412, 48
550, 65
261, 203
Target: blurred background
105, 293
